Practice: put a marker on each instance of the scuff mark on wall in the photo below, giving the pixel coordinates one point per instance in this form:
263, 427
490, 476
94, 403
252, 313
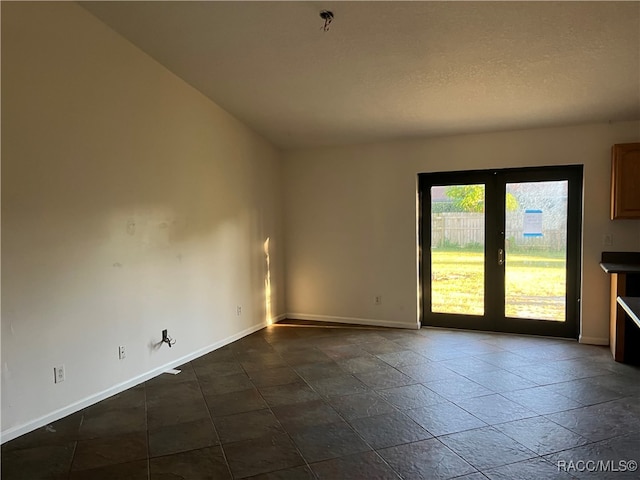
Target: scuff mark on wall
131, 227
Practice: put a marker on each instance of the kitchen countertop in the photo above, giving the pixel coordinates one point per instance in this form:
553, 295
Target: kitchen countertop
620, 267
620, 262
631, 305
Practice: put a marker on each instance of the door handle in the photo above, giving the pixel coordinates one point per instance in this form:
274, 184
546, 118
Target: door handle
500, 256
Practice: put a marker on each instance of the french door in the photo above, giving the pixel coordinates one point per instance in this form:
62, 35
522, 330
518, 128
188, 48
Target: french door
500, 249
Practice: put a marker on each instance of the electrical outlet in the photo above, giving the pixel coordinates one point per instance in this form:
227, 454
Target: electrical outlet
165, 336
239, 310
58, 374
122, 354
607, 240
377, 300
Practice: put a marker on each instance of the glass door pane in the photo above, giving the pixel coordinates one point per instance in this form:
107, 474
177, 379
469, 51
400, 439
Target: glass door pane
536, 250
457, 249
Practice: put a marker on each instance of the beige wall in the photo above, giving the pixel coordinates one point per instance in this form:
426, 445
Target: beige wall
130, 204
351, 218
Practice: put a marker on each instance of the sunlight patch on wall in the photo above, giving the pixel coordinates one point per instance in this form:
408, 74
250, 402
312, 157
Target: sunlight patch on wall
267, 285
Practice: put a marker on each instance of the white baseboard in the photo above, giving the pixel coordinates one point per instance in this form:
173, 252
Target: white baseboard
19, 430
352, 321
278, 318
593, 340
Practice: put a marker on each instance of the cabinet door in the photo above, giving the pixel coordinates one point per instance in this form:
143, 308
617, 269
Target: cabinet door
625, 181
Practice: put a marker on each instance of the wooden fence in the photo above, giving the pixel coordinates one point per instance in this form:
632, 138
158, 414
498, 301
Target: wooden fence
465, 230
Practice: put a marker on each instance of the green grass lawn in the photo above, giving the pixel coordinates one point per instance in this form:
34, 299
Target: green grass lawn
535, 284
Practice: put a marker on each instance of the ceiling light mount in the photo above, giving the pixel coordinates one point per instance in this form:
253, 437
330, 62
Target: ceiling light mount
327, 16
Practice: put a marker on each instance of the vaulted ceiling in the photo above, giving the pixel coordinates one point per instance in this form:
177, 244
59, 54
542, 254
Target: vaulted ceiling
395, 70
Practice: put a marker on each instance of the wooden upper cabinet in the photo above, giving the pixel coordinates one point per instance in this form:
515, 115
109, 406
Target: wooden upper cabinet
625, 181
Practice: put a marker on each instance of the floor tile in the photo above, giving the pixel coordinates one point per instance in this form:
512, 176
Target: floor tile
174, 394
181, 437
365, 335
458, 387
585, 393
542, 400
442, 352
222, 354
467, 366
137, 470
362, 364
113, 422
322, 370
540, 435
477, 346
428, 372
614, 455
295, 473
542, 373
217, 369
535, 468
203, 464
386, 377
403, 358
214, 385
274, 376
389, 430
411, 396
472, 476
288, 394
494, 409
381, 347
338, 386
264, 362
306, 414
188, 411
621, 384
306, 357
342, 352
582, 368
361, 405
501, 381
34, 463
235, 402
367, 465
246, 426
625, 447
262, 455
322, 442
417, 343
134, 397
444, 418
597, 422
504, 359
60, 432
486, 448
426, 460
100, 452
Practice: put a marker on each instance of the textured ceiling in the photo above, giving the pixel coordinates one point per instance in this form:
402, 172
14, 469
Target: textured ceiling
392, 70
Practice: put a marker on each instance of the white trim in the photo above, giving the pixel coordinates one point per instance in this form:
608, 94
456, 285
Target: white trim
351, 320
278, 318
16, 431
593, 340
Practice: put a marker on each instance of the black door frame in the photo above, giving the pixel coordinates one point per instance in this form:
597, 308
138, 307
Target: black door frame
494, 319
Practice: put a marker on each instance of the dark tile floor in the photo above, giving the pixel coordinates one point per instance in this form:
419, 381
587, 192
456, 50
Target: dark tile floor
301, 402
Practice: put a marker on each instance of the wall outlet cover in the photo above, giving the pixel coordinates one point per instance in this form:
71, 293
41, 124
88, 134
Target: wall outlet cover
58, 374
